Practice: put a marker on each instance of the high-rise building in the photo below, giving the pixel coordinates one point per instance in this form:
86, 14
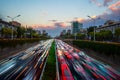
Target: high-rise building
68, 31
64, 32
38, 31
76, 27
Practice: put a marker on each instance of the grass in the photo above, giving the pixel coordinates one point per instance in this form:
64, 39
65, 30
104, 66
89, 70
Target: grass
50, 69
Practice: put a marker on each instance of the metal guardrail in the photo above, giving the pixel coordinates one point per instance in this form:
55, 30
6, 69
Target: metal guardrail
57, 69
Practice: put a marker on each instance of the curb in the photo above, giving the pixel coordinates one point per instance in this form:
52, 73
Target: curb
57, 69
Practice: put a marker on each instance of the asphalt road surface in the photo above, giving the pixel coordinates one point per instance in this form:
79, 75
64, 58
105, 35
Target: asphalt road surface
74, 64
26, 65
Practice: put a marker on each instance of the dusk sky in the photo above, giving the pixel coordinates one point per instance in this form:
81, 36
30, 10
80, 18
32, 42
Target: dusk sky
55, 15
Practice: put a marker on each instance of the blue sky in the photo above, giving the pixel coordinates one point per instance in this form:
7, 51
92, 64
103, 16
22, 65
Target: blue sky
38, 13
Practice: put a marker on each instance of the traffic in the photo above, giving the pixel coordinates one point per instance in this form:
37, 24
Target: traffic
26, 65
74, 64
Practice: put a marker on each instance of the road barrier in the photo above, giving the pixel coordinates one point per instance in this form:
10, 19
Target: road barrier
57, 69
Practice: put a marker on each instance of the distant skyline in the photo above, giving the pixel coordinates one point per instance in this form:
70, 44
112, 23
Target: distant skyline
55, 15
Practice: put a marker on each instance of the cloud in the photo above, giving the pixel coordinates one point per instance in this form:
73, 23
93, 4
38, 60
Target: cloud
96, 2
80, 19
105, 2
50, 26
60, 24
52, 29
112, 13
41, 26
115, 7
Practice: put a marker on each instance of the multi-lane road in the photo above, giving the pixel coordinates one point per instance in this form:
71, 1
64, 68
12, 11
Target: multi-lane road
26, 65
73, 64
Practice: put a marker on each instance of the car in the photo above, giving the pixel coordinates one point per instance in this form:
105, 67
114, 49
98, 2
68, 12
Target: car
61, 59
77, 50
113, 73
68, 55
59, 52
65, 72
75, 55
70, 50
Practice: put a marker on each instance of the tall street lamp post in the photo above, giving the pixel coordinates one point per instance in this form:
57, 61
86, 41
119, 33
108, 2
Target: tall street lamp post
94, 26
12, 19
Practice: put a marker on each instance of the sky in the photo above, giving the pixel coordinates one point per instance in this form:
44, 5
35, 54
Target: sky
56, 15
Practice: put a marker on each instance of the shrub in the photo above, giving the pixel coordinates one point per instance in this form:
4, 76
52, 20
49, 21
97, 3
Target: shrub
15, 42
101, 47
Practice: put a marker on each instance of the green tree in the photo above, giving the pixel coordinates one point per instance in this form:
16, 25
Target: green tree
117, 33
81, 36
106, 34
6, 32
35, 34
91, 34
91, 29
20, 32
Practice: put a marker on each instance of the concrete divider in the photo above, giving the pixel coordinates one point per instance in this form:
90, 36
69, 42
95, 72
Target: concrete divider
57, 69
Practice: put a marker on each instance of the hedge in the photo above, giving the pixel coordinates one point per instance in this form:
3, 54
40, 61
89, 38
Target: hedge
15, 42
101, 47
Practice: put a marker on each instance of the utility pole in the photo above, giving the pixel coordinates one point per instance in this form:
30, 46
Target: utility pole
12, 19
94, 26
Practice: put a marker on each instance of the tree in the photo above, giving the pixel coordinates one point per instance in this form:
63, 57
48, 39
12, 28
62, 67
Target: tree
20, 32
35, 34
117, 33
91, 29
6, 32
30, 30
80, 36
106, 34
91, 35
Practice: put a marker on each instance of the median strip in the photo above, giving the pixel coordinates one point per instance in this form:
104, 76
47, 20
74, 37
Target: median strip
50, 69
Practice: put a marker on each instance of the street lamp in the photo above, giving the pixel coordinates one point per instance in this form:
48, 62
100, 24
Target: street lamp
12, 19
94, 25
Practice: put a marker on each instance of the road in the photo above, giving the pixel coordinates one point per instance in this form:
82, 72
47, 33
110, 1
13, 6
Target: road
27, 65
74, 64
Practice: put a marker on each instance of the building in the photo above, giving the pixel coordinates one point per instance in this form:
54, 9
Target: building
4, 24
15, 23
64, 32
44, 32
109, 25
11, 25
69, 31
83, 31
76, 27
38, 32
